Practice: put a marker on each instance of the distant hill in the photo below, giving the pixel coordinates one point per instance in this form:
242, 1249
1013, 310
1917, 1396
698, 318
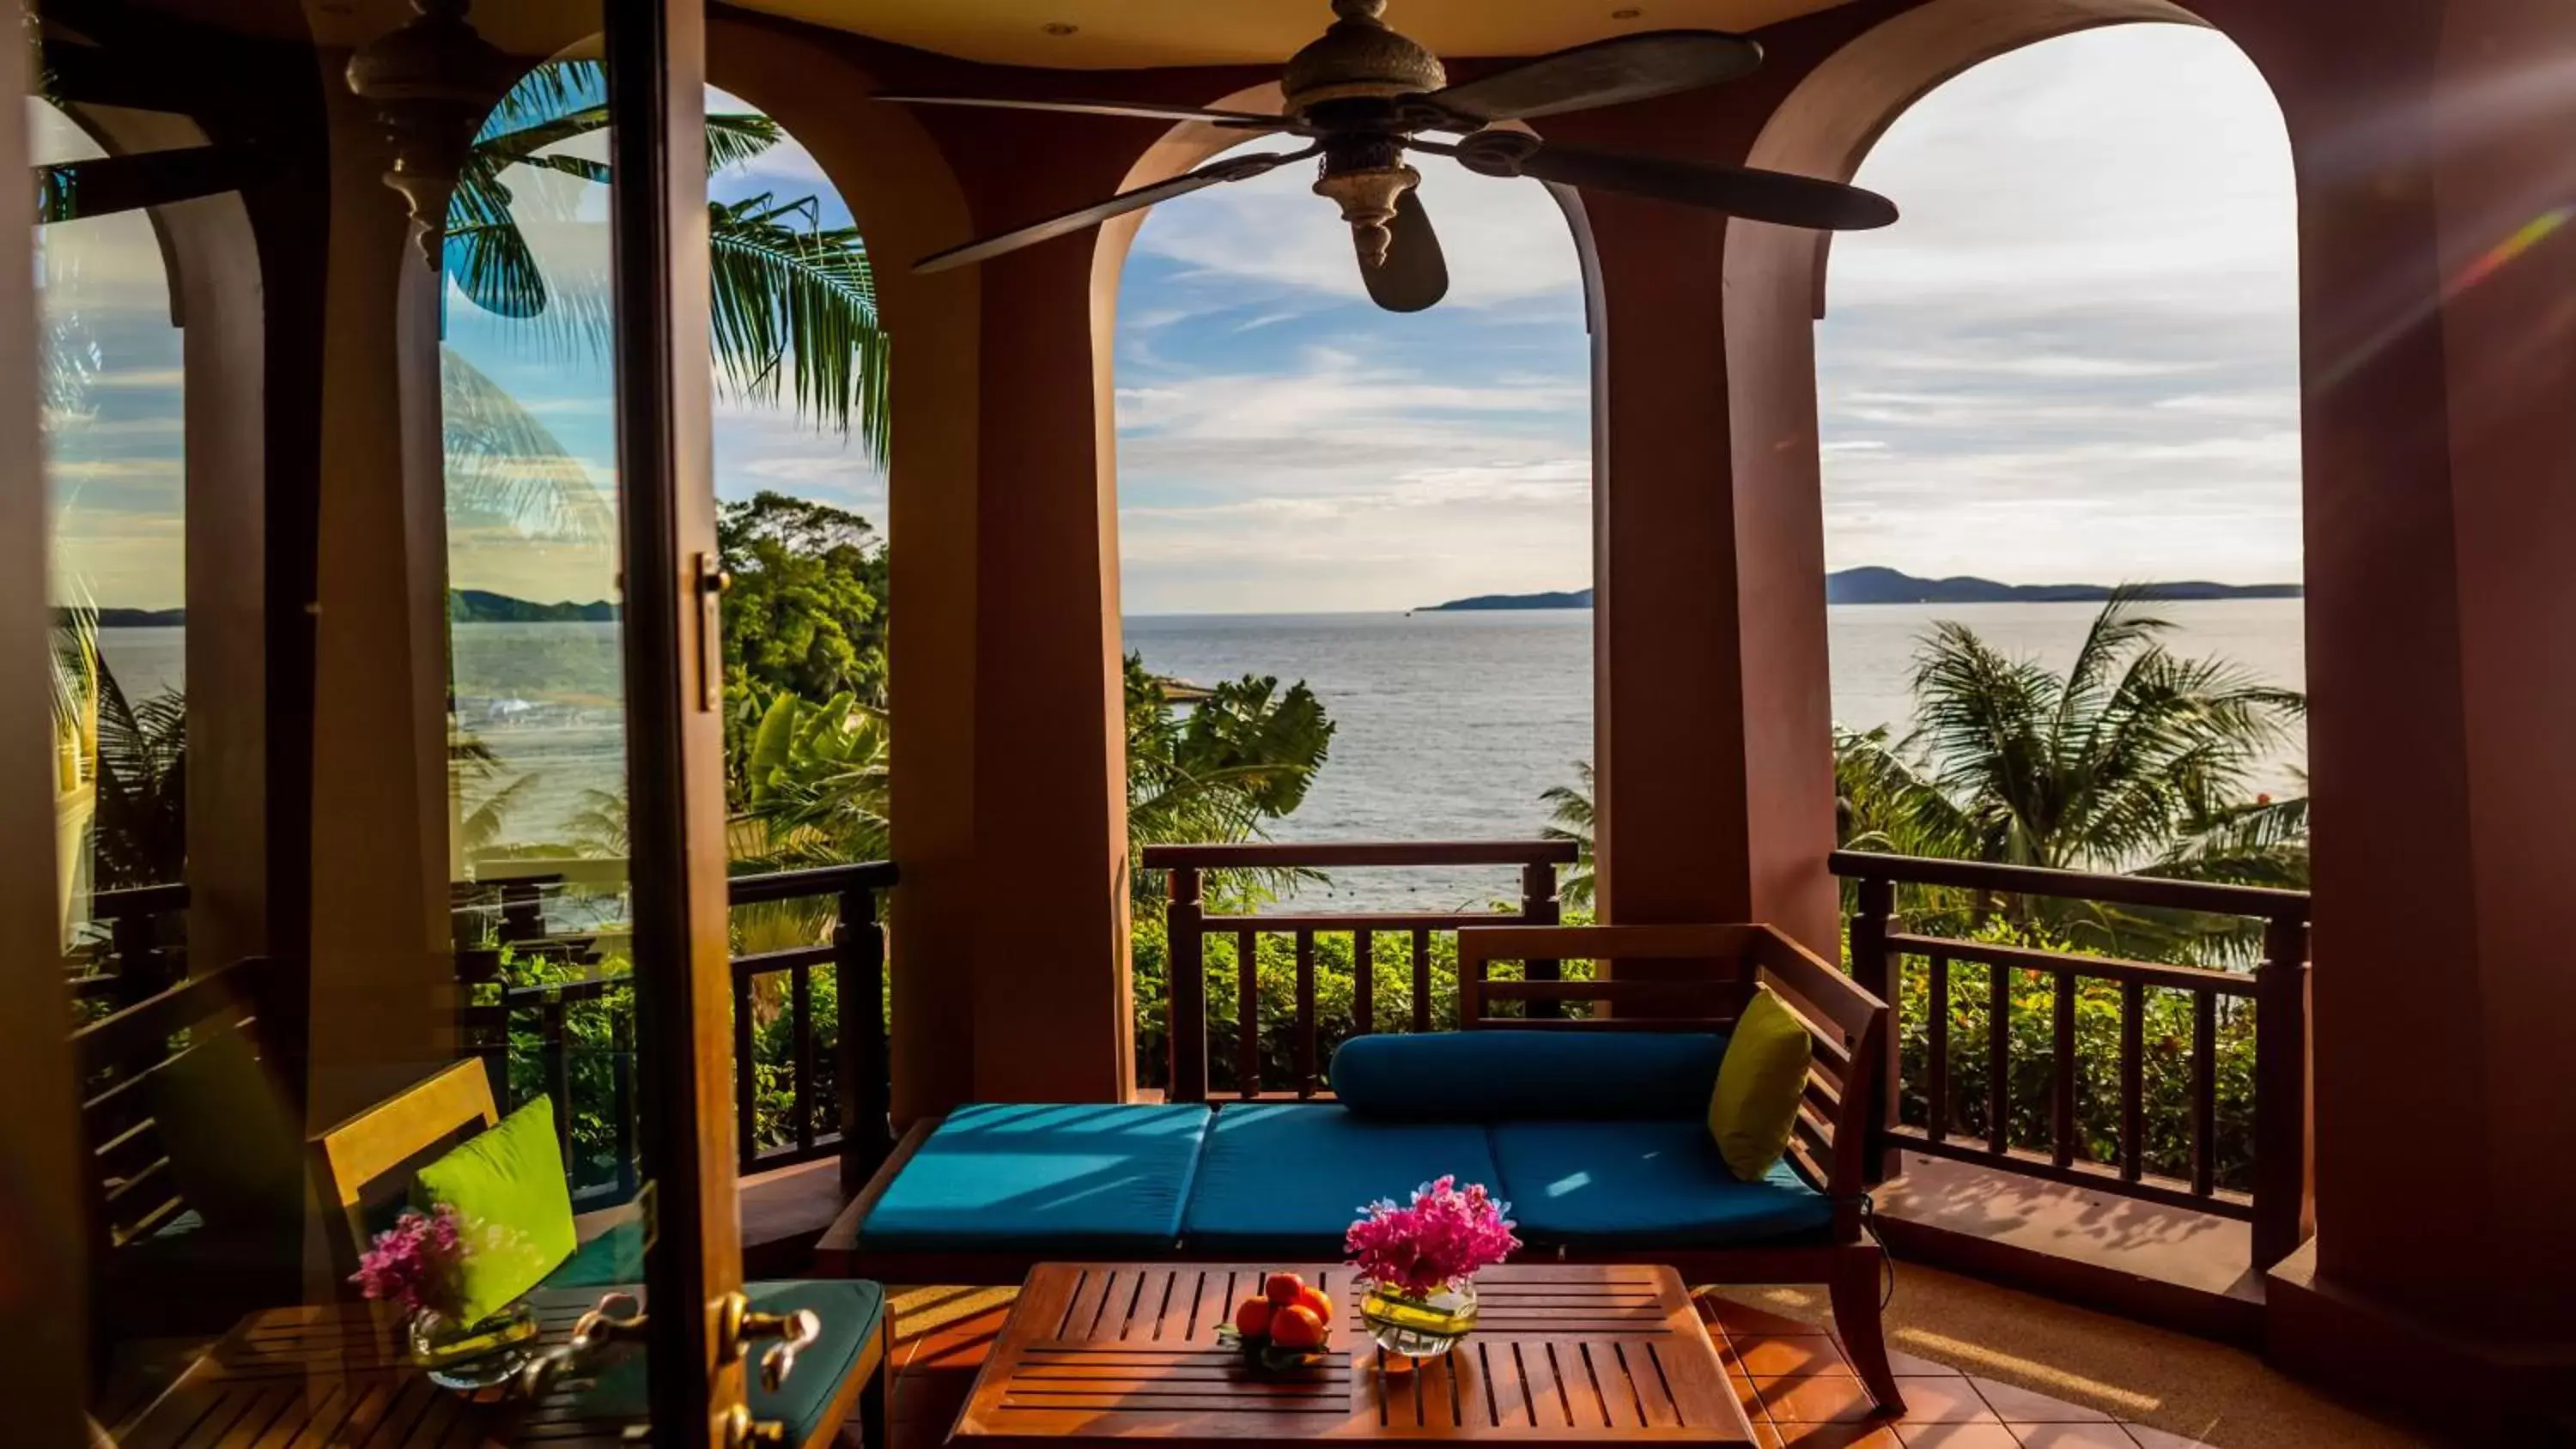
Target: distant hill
1888, 586
474, 606
464, 606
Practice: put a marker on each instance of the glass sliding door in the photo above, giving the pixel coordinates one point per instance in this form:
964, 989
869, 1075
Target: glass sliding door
367, 825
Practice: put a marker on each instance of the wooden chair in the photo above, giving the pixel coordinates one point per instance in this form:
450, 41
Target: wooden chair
1698, 978
359, 1152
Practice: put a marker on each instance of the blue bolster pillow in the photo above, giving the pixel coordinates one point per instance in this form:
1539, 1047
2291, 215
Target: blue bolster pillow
1499, 1075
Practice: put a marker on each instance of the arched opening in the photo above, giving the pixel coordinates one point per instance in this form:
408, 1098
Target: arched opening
1303, 482
112, 372
538, 737
2058, 454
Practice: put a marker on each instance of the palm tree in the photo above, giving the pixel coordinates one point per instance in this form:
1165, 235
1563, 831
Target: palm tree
1569, 813
794, 301
2134, 760
2101, 768
1236, 761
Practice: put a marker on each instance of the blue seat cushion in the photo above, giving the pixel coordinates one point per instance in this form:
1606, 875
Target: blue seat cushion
1644, 1183
1505, 1075
1064, 1180
1287, 1180
850, 1310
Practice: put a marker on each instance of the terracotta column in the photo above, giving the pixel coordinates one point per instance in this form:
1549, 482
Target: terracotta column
2437, 270
1711, 701
906, 203
380, 944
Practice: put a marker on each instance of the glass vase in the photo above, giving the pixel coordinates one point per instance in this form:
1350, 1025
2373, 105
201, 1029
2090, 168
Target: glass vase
1419, 1325
471, 1356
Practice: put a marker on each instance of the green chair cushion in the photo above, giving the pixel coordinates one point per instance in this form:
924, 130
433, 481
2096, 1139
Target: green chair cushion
1286, 1180
507, 1186
1759, 1085
1644, 1184
850, 1309
1060, 1180
613, 1258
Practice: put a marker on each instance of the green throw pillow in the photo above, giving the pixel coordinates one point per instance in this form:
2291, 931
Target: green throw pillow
507, 1186
1759, 1082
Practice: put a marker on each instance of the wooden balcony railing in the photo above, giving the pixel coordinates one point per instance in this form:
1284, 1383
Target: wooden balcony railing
2269, 1003
1188, 928
839, 1098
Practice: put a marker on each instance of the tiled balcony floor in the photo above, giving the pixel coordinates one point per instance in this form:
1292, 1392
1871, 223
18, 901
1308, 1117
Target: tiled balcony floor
1792, 1378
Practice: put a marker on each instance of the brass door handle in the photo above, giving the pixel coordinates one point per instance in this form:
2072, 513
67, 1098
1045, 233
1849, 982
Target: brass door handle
794, 1332
616, 1318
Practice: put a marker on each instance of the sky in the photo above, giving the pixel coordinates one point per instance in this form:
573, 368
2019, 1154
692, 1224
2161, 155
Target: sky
2073, 359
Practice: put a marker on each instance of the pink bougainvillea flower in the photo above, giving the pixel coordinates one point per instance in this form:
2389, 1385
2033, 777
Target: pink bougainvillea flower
414, 1262
1446, 1236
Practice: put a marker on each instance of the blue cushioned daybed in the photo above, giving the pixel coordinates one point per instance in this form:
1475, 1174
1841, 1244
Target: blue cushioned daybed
1598, 1137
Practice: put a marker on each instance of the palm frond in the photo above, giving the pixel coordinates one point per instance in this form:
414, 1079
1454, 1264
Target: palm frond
795, 310
503, 463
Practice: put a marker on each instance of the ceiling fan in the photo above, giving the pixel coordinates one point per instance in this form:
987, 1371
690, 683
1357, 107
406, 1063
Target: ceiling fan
1364, 95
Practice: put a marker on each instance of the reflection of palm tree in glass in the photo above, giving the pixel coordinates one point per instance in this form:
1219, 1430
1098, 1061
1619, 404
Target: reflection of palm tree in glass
794, 301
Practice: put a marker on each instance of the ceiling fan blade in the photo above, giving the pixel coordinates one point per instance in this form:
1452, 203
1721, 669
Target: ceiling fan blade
1414, 275
1604, 73
1773, 196
1232, 120
1227, 168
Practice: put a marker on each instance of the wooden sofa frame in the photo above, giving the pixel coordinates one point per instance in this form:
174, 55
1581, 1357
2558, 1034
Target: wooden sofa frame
1653, 978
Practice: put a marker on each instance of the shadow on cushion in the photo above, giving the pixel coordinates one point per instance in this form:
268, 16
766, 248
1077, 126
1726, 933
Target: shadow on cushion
1065, 1180
1649, 1184
1285, 1180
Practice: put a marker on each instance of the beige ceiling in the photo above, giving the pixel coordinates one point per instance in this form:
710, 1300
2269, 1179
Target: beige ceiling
1116, 33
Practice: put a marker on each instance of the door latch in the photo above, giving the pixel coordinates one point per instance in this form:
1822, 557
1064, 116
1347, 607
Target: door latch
740, 1326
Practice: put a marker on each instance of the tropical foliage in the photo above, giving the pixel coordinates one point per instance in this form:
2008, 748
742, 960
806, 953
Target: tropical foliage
794, 302
805, 613
2134, 760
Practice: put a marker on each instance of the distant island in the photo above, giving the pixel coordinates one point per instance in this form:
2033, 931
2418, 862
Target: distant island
1888, 586
464, 606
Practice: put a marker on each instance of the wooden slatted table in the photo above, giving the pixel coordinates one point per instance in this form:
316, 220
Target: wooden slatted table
1562, 1355
330, 1375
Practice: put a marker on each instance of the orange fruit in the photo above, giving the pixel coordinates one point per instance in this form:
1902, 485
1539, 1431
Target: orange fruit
1312, 1298
1296, 1326
1282, 1289
1252, 1318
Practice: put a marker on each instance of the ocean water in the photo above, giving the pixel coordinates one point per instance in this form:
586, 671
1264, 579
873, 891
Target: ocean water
1450, 725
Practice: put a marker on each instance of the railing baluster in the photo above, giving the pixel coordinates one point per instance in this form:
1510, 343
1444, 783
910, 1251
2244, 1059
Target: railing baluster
621, 1077
1936, 1065
2061, 1113
1247, 1008
800, 1023
2284, 1188
558, 1067
1421, 980
1882, 975
1306, 1074
1185, 943
1999, 1059
2133, 1080
2204, 1092
746, 1077
1363, 982
862, 1058
1539, 907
